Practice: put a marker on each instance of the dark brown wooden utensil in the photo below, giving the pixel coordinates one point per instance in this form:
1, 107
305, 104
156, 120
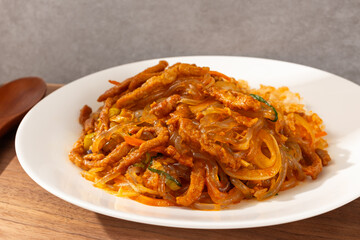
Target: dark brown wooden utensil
16, 98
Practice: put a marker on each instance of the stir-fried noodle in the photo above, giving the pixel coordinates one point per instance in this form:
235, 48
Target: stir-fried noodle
187, 136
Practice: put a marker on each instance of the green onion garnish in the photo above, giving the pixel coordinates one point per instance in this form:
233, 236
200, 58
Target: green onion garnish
152, 158
148, 158
167, 176
260, 99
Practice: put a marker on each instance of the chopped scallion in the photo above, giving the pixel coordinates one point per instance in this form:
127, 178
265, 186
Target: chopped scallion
148, 158
167, 176
260, 99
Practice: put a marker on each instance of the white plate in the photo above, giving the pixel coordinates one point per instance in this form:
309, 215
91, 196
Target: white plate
49, 130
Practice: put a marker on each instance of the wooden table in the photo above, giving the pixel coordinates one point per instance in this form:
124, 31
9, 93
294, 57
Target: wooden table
29, 212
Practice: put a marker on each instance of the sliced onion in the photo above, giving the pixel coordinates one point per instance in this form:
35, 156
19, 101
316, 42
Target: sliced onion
133, 173
256, 155
223, 198
108, 177
227, 85
289, 184
242, 187
182, 86
206, 206
257, 174
275, 187
190, 101
201, 106
105, 136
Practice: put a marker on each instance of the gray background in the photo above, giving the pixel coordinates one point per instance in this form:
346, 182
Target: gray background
62, 41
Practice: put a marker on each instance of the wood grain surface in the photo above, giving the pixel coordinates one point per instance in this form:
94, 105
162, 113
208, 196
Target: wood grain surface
29, 212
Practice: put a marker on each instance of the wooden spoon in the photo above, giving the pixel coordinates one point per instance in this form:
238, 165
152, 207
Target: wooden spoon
16, 98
